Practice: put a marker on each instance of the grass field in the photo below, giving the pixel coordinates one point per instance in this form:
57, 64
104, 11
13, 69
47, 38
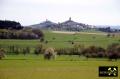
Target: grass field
62, 40
63, 67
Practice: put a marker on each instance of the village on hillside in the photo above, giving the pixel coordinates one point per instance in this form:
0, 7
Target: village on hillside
70, 25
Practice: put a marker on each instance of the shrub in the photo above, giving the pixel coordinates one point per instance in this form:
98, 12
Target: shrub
108, 35
113, 51
46, 42
94, 51
38, 32
21, 34
101, 52
38, 50
41, 39
64, 51
49, 53
78, 49
2, 53
26, 50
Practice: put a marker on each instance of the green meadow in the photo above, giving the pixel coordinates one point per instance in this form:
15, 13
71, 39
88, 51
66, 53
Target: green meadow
63, 67
58, 40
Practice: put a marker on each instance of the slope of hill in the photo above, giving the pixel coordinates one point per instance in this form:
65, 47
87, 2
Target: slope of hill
73, 26
68, 25
44, 24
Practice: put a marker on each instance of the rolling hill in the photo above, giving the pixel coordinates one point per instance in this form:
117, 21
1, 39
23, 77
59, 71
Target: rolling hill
68, 25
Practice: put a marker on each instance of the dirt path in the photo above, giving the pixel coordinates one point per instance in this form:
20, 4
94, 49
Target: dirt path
67, 32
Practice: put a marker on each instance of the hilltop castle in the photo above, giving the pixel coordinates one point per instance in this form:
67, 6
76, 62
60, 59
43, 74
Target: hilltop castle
69, 25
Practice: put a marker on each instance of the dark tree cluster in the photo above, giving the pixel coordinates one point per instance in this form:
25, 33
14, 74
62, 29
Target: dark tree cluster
21, 34
15, 49
108, 29
39, 49
5, 24
112, 52
94, 51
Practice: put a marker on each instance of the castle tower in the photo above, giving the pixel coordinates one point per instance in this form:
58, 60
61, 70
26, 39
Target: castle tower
69, 18
46, 20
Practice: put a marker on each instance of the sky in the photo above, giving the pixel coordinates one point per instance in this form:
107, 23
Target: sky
93, 12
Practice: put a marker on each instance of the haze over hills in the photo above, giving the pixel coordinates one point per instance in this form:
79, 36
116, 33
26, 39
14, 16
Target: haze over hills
66, 25
71, 25
111, 26
44, 24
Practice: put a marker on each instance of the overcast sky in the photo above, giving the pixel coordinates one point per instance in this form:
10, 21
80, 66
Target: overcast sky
95, 12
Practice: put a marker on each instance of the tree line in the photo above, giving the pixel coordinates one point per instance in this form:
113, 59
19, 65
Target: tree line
21, 34
6, 24
111, 52
108, 29
14, 30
